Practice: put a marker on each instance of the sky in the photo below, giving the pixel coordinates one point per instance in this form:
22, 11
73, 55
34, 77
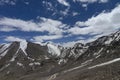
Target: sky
63, 22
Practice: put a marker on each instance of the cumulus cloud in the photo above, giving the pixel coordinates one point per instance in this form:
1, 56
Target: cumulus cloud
104, 23
47, 37
64, 2
12, 38
49, 25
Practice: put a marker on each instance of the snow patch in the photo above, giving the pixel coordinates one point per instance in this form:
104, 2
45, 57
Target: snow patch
47, 57
87, 62
118, 37
98, 56
109, 41
31, 64
62, 61
108, 51
8, 72
5, 66
99, 51
34, 63
14, 56
20, 64
31, 59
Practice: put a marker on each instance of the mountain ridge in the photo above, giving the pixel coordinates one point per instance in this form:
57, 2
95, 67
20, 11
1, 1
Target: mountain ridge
36, 61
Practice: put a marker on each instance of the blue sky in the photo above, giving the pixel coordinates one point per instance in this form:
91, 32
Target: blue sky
59, 21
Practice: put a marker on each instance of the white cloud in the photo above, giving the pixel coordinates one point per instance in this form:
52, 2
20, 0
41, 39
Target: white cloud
12, 38
84, 3
49, 25
6, 29
104, 23
64, 2
48, 5
52, 26
9, 2
91, 1
103, 1
65, 12
46, 37
27, 3
19, 24
75, 13
80, 24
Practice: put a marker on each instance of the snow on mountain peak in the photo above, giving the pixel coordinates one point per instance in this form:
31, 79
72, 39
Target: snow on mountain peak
23, 46
53, 49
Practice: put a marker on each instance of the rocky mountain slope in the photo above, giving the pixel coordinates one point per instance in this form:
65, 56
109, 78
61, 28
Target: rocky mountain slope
97, 60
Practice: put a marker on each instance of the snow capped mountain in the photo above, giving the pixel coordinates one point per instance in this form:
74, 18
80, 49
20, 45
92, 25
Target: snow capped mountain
52, 62
107, 40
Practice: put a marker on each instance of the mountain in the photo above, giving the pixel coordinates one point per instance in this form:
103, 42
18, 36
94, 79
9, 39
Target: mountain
97, 60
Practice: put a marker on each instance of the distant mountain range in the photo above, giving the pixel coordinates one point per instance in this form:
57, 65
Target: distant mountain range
97, 60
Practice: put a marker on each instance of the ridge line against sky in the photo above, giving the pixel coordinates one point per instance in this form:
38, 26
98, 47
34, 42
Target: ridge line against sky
58, 30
